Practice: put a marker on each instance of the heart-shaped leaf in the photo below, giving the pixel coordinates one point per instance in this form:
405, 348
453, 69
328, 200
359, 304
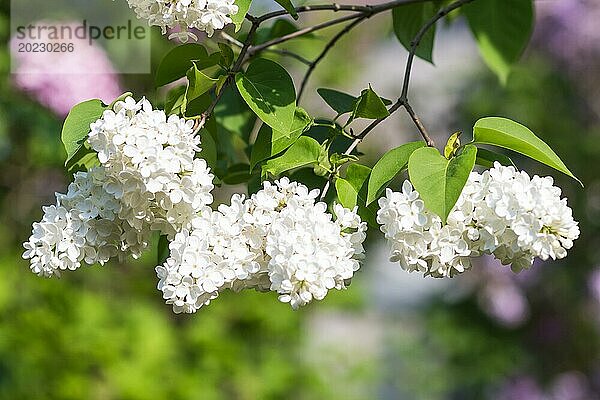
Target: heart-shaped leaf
440, 181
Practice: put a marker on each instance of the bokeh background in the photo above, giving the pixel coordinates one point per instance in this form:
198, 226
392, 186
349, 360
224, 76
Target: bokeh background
105, 333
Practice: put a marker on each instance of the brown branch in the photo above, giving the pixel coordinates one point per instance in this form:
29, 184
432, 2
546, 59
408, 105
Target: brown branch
255, 49
291, 54
328, 46
359, 12
331, 7
403, 100
236, 67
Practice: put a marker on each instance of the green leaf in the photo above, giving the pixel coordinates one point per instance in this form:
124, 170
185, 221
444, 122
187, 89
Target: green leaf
502, 29
348, 188
340, 102
486, 158
337, 159
232, 113
194, 108
452, 145
210, 61
238, 18
440, 181
370, 106
305, 151
236, 174
174, 100
120, 98
77, 125
511, 135
325, 130
388, 167
408, 21
83, 160
269, 91
269, 143
289, 7
301, 122
198, 83
227, 55
220, 83
209, 149
163, 250
177, 62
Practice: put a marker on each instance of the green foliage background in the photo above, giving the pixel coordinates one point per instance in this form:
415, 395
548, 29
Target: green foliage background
105, 333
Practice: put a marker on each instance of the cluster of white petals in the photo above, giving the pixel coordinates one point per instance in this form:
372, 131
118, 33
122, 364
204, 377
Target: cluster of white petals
149, 159
183, 15
501, 211
148, 181
84, 225
279, 239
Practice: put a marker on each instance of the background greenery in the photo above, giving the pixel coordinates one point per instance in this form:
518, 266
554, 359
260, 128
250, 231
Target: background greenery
105, 333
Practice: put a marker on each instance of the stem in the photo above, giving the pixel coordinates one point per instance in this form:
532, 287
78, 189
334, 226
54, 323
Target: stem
403, 100
236, 67
301, 32
290, 54
328, 46
333, 7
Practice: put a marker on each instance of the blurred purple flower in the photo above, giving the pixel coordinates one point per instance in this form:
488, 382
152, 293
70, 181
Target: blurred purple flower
568, 29
571, 385
521, 388
501, 292
594, 284
59, 80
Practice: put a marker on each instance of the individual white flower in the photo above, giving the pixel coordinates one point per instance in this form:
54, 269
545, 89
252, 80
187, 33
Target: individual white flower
183, 15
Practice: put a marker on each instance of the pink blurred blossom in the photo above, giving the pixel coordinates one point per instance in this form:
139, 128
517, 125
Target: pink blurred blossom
568, 29
59, 80
501, 293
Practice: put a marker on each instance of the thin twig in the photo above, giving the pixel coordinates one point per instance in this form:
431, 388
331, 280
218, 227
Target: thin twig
236, 67
328, 46
301, 32
403, 100
332, 7
231, 39
291, 54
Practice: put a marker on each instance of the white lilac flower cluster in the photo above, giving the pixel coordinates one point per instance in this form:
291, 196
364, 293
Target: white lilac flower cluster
181, 16
149, 159
279, 239
84, 225
501, 212
148, 181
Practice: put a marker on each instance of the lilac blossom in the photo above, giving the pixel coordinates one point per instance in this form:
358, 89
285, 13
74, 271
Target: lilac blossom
59, 80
